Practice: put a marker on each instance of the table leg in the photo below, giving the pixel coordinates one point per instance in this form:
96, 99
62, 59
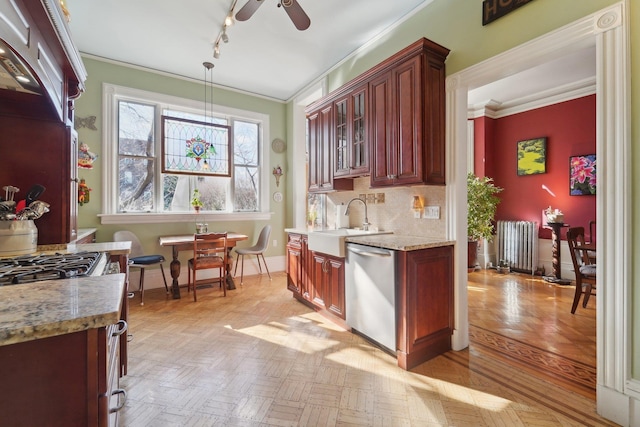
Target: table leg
555, 254
229, 279
175, 273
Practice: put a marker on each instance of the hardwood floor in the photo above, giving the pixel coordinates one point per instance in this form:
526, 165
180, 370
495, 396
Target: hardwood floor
260, 358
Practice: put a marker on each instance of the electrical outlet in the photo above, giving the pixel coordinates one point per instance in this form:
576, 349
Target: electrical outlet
275, 243
431, 212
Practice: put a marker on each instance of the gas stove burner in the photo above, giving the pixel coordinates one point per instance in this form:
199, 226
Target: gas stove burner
35, 268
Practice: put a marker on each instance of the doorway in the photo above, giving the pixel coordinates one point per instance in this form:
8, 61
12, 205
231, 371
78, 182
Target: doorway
606, 30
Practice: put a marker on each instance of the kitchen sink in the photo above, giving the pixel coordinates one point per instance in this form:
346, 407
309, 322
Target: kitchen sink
332, 242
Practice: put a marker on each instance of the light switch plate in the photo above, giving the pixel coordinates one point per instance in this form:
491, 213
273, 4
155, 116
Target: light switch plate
431, 212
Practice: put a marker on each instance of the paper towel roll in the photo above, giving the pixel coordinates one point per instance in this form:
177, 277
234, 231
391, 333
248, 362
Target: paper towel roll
342, 220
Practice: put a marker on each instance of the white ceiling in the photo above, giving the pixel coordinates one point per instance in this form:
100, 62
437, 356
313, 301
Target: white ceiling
266, 55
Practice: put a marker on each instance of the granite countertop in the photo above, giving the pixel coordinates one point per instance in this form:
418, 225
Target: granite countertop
399, 242
114, 248
396, 242
45, 309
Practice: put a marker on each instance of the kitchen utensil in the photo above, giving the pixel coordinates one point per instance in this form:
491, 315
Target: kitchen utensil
10, 191
7, 206
33, 193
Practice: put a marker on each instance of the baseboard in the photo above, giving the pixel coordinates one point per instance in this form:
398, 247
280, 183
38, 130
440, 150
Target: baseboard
153, 277
616, 406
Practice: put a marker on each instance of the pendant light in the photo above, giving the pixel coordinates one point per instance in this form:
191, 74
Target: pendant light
208, 87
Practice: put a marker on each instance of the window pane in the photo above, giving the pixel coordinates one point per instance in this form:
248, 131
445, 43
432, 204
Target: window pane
198, 117
245, 143
213, 192
136, 185
247, 187
135, 129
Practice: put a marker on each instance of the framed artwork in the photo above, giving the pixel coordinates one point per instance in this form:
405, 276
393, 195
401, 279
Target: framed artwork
532, 156
582, 175
192, 147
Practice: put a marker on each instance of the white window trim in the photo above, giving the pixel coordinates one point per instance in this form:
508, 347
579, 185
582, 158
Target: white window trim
111, 93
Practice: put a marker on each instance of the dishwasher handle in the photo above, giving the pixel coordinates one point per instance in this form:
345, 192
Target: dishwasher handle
370, 252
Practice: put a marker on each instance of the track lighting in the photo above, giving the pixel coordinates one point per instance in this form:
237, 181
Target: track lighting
223, 36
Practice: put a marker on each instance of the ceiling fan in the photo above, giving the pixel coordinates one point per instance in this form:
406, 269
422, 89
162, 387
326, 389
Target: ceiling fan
292, 7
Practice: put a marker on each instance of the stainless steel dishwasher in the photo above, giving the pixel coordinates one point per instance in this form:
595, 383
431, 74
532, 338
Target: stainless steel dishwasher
370, 292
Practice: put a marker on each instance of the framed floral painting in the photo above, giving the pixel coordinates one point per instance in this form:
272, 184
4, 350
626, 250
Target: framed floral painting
582, 175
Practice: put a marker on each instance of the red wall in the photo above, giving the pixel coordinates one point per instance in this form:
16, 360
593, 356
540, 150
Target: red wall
570, 129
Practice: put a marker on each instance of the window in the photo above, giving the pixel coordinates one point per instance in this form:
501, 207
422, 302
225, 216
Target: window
136, 190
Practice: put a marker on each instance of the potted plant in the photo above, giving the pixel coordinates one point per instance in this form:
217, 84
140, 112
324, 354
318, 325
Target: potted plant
195, 200
482, 204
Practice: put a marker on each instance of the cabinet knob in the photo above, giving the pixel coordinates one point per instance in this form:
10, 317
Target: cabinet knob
74, 180
390, 176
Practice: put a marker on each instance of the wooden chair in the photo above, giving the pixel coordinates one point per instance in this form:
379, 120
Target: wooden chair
138, 259
257, 250
583, 265
209, 251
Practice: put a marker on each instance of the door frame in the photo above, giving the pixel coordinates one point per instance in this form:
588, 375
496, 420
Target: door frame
607, 30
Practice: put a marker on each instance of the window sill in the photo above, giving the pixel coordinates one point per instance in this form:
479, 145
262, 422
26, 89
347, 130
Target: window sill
157, 218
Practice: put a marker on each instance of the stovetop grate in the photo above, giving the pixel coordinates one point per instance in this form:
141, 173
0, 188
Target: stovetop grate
35, 268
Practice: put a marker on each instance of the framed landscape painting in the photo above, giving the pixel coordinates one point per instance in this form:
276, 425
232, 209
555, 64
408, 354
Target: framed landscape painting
532, 156
582, 175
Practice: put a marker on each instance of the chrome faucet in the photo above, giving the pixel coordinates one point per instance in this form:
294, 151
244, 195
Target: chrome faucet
365, 224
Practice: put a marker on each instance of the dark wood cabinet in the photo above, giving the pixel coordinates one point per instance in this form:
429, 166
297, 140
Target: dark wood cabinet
424, 304
296, 261
388, 123
407, 118
37, 141
351, 150
316, 279
321, 134
65, 380
327, 276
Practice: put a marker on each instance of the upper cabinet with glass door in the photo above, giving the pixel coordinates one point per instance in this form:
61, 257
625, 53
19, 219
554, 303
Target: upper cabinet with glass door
350, 146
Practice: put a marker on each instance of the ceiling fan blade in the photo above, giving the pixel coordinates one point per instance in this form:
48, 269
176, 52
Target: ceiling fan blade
297, 15
248, 10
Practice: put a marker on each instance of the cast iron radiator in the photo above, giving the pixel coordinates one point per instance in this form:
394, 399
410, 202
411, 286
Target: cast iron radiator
518, 245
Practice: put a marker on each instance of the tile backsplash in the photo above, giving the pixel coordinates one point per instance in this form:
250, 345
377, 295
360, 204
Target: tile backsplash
390, 208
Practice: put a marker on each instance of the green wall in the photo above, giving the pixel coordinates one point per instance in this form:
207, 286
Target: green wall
90, 104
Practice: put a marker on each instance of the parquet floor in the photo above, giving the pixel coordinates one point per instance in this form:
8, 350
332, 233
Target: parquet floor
260, 358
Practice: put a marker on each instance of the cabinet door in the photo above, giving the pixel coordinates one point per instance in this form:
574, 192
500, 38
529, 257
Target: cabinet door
294, 264
381, 131
334, 286
316, 284
358, 146
407, 99
313, 129
341, 142
320, 154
